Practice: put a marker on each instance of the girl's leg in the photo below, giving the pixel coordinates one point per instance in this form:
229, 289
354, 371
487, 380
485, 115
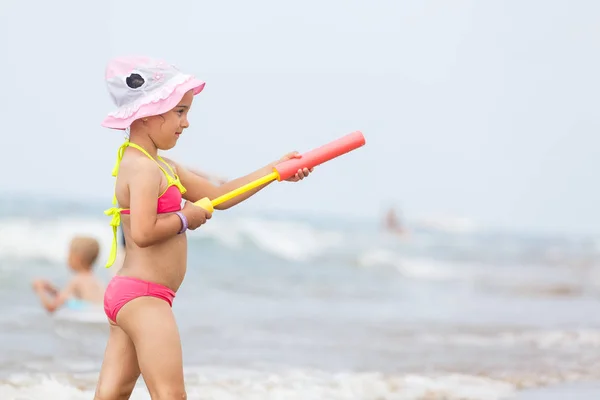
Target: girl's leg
120, 369
151, 325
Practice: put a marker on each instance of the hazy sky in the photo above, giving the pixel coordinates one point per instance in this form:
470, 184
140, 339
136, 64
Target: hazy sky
480, 109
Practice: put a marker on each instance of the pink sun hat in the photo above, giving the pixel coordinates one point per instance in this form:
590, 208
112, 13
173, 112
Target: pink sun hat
143, 87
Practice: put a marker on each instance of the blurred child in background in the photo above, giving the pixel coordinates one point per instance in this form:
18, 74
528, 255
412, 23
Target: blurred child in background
84, 287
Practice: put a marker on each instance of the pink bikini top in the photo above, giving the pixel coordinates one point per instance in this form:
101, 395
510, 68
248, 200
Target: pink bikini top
168, 202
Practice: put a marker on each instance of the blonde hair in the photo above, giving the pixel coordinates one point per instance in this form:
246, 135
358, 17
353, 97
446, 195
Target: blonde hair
85, 247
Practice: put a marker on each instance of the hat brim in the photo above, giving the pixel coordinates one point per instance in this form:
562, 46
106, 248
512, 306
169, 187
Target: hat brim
155, 108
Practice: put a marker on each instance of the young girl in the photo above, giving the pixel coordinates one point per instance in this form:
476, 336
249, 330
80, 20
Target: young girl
153, 100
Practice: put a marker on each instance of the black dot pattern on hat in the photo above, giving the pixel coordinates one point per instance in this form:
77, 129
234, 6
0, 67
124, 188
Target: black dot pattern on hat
134, 81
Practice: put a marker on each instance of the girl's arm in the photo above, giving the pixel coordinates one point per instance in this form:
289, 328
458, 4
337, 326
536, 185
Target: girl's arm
146, 228
210, 177
199, 187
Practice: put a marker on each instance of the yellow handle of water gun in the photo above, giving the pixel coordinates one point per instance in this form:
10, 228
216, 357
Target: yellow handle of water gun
206, 204
209, 205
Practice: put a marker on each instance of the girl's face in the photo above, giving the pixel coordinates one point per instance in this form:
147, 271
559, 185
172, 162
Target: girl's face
165, 128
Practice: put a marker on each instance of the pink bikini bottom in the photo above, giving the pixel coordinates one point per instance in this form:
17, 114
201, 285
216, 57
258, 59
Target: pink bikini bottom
122, 289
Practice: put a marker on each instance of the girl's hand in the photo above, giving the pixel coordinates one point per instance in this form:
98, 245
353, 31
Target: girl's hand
301, 173
195, 215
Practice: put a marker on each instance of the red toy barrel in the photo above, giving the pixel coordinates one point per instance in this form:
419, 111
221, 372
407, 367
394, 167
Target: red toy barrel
329, 151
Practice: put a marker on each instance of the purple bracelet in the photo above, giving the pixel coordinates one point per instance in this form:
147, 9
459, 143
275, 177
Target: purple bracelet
184, 222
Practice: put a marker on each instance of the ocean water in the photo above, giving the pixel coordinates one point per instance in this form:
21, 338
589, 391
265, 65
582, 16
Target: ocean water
317, 307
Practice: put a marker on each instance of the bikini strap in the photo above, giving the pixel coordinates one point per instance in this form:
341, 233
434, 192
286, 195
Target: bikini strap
171, 180
115, 170
135, 146
175, 180
115, 221
115, 212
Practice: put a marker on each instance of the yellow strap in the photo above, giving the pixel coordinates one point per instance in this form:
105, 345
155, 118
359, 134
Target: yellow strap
180, 186
172, 181
115, 170
115, 212
135, 146
115, 221
168, 165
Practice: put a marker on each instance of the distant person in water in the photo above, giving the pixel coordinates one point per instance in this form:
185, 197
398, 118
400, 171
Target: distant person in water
393, 224
83, 288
